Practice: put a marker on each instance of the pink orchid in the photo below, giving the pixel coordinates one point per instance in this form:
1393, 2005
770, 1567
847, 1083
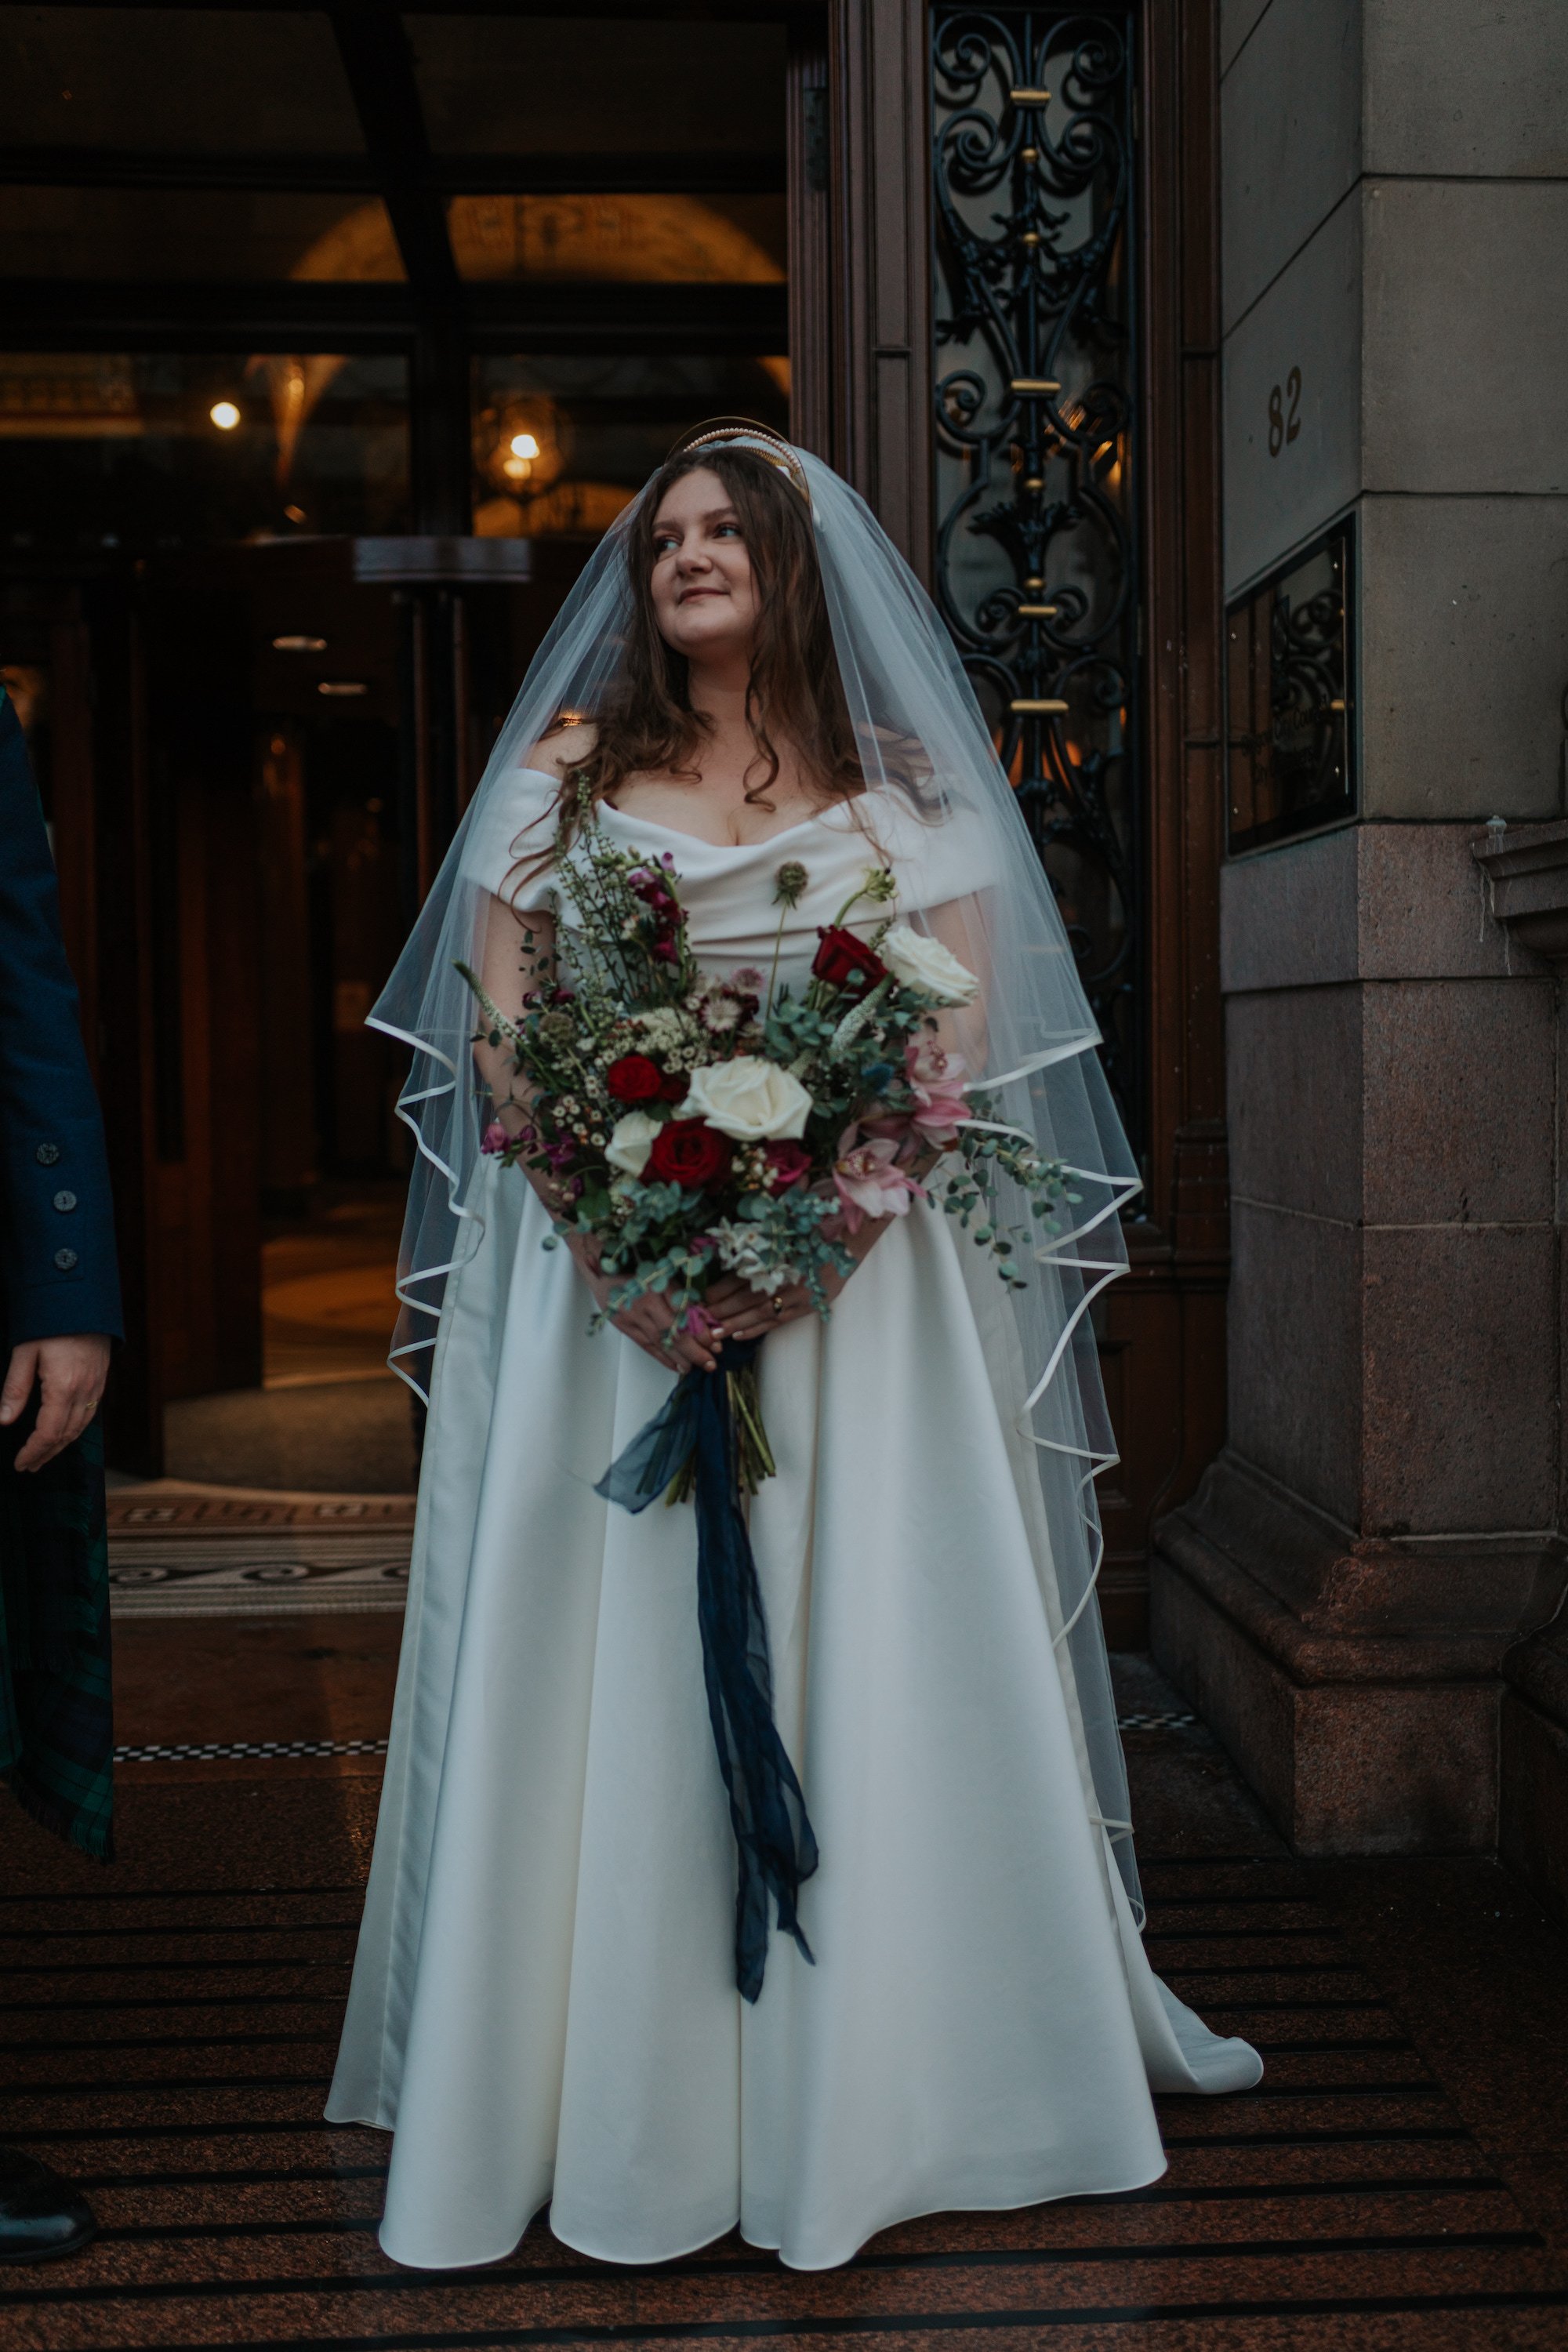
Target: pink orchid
935, 1077
495, 1138
869, 1182
898, 1129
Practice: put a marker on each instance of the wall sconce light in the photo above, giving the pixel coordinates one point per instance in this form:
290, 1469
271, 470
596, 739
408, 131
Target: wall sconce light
518, 446
224, 415
522, 451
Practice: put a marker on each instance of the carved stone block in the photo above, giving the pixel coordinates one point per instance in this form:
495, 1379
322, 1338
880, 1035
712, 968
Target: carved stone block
1357, 1682
1290, 125
1526, 867
1292, 402
1438, 99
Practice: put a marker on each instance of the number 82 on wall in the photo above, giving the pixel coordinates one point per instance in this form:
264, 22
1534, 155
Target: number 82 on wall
1284, 412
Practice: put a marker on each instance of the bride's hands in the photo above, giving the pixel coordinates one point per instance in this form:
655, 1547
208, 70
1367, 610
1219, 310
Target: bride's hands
737, 1311
647, 1321
744, 1313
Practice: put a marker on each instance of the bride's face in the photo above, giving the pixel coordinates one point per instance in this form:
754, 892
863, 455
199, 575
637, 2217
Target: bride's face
704, 596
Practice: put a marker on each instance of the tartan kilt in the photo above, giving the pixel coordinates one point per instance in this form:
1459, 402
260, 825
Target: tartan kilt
57, 1721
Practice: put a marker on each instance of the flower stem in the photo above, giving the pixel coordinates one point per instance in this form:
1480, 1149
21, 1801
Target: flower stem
756, 1456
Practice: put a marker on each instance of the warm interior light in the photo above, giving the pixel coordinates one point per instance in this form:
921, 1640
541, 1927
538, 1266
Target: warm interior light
299, 644
224, 415
523, 445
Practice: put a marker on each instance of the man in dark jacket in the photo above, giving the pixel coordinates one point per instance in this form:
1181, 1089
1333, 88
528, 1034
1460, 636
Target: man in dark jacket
59, 1309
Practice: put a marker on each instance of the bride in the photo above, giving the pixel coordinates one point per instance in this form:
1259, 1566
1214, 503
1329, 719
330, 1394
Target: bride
544, 2006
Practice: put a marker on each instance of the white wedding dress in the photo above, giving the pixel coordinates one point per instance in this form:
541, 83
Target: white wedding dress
544, 2005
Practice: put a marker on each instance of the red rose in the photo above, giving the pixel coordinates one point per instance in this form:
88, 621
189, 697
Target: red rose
635, 1080
688, 1151
844, 961
788, 1163
675, 1087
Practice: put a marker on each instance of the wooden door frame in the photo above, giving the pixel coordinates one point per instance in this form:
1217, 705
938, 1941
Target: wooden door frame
1182, 1259
860, 299
859, 257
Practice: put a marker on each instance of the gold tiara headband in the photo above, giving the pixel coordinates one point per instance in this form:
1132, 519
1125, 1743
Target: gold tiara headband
745, 433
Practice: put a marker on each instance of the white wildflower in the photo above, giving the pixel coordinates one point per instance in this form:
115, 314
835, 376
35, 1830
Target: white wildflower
738, 1254
668, 1031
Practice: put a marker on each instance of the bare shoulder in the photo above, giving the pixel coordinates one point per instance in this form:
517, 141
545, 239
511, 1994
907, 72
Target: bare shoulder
564, 747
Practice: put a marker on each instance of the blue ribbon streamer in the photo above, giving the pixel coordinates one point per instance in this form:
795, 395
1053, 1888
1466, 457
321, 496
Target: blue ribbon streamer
774, 1840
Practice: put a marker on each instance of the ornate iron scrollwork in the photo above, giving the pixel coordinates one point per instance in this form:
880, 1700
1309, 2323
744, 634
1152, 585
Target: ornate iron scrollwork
1036, 555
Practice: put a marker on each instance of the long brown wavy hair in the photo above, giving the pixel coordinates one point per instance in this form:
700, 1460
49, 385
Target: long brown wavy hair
795, 697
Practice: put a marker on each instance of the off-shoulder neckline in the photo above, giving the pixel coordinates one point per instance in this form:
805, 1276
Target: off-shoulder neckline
695, 840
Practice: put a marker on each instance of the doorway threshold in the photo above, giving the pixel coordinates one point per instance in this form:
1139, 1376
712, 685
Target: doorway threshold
180, 1549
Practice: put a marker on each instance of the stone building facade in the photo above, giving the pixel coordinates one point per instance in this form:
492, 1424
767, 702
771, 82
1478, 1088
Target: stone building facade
1364, 1595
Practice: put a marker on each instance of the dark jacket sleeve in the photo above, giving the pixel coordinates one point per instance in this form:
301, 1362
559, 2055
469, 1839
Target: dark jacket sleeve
57, 1270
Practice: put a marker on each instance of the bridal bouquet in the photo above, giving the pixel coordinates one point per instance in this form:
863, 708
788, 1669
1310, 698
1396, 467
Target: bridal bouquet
688, 1124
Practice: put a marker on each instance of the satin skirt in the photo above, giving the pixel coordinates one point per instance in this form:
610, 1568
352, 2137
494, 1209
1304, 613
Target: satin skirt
543, 2007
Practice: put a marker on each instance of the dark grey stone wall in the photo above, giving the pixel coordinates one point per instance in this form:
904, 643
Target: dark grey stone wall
1396, 224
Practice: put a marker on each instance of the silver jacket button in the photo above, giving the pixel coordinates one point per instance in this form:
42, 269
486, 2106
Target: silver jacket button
64, 1260
47, 1154
65, 1202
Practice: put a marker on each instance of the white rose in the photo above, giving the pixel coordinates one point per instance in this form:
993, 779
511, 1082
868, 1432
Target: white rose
631, 1141
921, 961
752, 1099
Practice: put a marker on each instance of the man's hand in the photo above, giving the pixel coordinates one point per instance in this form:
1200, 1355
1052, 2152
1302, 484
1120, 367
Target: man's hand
70, 1373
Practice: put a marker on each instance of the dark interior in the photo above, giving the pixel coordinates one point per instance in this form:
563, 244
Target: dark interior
331, 340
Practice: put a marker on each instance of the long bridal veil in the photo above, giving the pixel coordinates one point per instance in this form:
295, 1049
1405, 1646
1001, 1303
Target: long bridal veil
930, 763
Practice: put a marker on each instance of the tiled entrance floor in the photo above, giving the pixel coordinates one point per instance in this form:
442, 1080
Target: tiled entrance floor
167, 2028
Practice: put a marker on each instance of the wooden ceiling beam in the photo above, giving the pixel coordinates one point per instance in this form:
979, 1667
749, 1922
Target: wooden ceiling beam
379, 65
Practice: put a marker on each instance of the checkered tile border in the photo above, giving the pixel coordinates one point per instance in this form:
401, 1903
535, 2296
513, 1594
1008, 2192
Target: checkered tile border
212, 1751
221, 1751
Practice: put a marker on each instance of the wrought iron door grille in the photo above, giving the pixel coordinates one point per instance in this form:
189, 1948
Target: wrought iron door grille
1037, 546
1290, 679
